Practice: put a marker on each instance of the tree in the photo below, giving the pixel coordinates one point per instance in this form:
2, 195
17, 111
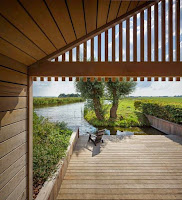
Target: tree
92, 90
116, 90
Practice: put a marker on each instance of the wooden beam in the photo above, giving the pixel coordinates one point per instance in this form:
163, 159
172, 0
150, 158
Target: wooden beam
97, 31
106, 69
30, 138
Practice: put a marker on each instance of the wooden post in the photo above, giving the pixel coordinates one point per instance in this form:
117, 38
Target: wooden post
30, 138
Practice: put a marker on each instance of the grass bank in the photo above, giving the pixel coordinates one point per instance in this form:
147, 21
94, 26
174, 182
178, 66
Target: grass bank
128, 116
52, 101
50, 141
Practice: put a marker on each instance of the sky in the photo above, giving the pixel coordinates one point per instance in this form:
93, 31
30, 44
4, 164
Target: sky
144, 88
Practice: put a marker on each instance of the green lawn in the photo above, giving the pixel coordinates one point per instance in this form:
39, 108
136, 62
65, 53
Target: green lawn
127, 115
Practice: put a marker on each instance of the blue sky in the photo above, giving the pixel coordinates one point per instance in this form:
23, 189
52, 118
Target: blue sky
143, 88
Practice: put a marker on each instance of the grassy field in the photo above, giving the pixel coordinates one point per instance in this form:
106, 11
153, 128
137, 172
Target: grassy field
128, 116
51, 101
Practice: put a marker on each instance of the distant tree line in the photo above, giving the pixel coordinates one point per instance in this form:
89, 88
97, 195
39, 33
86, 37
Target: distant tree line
62, 95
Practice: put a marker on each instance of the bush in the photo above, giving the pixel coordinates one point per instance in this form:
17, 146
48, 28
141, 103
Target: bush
167, 111
50, 141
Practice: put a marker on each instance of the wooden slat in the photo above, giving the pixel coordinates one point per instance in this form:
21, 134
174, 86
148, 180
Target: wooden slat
9, 89
56, 59
163, 29
142, 36
11, 51
149, 34
76, 11
39, 12
127, 40
41, 78
78, 53
10, 117
90, 14
156, 32
102, 12
25, 24
156, 78
113, 44
48, 78
10, 103
13, 64
120, 42
170, 29
12, 35
135, 38
114, 6
92, 49
19, 192
12, 143
85, 52
12, 76
9, 159
104, 69
5, 191
99, 48
56, 78
59, 12
106, 46
63, 78
9, 173
70, 56
177, 30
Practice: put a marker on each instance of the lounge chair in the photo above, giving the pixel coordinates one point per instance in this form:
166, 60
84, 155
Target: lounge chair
97, 137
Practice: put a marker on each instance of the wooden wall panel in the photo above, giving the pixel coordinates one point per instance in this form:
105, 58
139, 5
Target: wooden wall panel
13, 129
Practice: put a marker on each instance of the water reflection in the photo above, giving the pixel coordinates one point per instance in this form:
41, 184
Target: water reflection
73, 116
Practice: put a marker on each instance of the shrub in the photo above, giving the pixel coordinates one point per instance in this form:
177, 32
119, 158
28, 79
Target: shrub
167, 111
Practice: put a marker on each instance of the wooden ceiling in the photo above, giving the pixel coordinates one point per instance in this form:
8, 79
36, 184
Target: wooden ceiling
32, 30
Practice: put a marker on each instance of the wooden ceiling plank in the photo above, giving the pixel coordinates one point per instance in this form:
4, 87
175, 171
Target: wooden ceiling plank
133, 5
40, 13
113, 10
12, 35
12, 11
102, 12
60, 13
91, 14
124, 7
9, 50
77, 16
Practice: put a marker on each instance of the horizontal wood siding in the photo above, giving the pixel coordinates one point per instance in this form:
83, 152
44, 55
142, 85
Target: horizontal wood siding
13, 129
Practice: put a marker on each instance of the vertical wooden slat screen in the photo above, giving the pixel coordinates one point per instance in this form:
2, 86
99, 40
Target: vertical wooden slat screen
113, 44
70, 56
106, 46
77, 53
170, 28
142, 36
134, 38
99, 48
177, 30
120, 42
92, 49
127, 40
85, 52
63, 57
163, 30
156, 32
149, 34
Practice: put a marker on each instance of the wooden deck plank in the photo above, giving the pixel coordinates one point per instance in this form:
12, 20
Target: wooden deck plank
134, 167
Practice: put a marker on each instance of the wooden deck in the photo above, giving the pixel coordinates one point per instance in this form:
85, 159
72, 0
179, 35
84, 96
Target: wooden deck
132, 167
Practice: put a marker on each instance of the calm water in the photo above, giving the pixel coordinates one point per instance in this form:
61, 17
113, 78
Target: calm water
72, 115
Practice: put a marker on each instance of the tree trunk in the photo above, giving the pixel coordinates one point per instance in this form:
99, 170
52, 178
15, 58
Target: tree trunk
113, 110
97, 108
